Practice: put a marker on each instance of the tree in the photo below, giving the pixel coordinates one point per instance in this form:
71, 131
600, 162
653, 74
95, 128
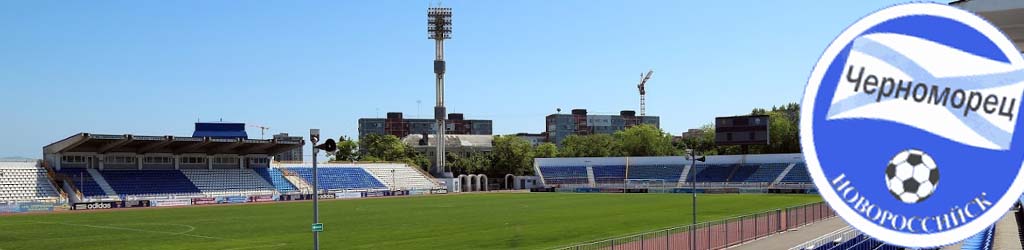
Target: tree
390, 148
704, 143
383, 147
545, 150
417, 159
784, 134
471, 163
348, 150
644, 140
512, 155
599, 145
783, 130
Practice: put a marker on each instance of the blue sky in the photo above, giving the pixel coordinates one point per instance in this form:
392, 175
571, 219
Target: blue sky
156, 67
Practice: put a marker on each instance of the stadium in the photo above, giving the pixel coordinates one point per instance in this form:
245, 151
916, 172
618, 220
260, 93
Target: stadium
220, 189
162, 181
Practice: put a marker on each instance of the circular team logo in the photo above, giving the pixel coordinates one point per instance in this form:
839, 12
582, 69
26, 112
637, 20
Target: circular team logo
908, 125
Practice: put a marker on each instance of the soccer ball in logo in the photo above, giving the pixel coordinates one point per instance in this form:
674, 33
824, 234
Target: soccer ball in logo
912, 176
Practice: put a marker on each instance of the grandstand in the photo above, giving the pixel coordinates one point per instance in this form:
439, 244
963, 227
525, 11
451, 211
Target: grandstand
22, 181
96, 185
97, 167
779, 170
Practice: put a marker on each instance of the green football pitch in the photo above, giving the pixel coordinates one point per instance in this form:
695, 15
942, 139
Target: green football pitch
465, 221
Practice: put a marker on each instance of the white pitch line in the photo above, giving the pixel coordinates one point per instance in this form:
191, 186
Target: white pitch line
140, 230
189, 229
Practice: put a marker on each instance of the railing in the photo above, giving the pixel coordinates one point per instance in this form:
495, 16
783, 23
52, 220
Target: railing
835, 237
52, 177
583, 183
716, 234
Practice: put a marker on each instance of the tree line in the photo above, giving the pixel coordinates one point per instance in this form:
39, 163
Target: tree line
513, 155
510, 154
783, 130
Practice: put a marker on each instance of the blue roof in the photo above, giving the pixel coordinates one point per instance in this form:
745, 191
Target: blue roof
221, 130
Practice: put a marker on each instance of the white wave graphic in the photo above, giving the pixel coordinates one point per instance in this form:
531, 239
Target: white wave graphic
914, 59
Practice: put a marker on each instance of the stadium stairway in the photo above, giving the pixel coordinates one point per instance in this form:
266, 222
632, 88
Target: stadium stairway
683, 175
277, 179
81, 180
590, 177
100, 181
784, 173
296, 181
798, 174
732, 174
1007, 232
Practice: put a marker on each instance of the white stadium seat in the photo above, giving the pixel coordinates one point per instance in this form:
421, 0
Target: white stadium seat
404, 177
25, 181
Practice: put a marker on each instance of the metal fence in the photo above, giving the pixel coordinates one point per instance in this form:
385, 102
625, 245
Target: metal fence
716, 234
833, 238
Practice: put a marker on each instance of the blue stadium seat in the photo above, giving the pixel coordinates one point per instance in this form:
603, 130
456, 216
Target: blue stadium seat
797, 174
149, 182
83, 181
980, 241
610, 174
668, 172
846, 244
338, 178
759, 173
275, 178
712, 173
554, 175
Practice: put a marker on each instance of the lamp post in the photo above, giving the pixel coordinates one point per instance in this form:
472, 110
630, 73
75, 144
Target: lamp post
329, 146
692, 156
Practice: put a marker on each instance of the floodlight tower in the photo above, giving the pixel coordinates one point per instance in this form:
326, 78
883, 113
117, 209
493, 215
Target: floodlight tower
439, 28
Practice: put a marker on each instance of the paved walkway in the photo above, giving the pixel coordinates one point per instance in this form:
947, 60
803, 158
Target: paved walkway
1007, 233
795, 237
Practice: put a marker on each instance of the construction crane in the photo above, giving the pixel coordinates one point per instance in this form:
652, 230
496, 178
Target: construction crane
263, 130
643, 90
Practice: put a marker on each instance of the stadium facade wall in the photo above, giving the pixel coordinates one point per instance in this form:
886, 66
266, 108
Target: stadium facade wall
673, 171
654, 160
